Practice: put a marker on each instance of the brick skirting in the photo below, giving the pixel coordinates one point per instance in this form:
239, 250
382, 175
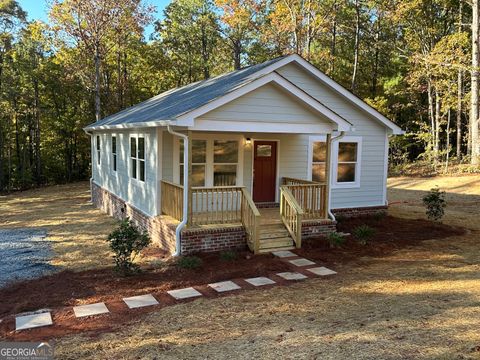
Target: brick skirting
314, 228
361, 211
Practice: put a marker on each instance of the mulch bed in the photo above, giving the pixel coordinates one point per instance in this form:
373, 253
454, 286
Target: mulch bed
62, 290
391, 234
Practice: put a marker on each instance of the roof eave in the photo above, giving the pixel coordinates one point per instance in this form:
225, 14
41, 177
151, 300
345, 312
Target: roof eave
143, 124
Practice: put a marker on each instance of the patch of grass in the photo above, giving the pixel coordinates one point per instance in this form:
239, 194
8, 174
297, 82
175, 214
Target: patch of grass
189, 262
228, 255
335, 239
363, 233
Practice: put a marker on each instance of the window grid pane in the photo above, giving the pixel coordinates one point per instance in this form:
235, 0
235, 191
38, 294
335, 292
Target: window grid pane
319, 151
141, 148
142, 170
225, 151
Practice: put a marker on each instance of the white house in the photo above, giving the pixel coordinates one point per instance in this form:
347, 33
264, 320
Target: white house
263, 156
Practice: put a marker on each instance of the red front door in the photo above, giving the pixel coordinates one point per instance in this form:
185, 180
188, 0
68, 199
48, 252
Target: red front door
264, 171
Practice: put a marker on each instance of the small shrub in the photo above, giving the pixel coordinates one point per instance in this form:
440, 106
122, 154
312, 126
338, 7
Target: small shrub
435, 204
379, 215
189, 262
228, 255
363, 233
335, 239
126, 242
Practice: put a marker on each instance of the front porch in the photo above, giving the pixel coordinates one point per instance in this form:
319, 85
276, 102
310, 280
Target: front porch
302, 211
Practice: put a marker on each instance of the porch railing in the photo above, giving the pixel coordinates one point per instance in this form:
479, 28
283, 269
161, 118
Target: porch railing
216, 205
172, 199
311, 197
292, 214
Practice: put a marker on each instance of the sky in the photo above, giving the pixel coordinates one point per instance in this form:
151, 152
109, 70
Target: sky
37, 10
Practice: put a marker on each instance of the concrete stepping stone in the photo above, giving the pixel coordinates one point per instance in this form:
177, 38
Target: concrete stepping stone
140, 301
301, 262
90, 309
184, 293
292, 276
322, 271
283, 253
260, 281
33, 321
224, 286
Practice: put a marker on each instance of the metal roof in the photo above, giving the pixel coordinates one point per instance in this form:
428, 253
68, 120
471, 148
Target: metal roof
173, 103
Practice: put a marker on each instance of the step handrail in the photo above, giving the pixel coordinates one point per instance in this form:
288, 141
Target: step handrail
292, 215
251, 220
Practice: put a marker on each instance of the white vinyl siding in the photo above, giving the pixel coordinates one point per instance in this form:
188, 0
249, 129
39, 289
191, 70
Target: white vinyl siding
140, 194
372, 180
269, 103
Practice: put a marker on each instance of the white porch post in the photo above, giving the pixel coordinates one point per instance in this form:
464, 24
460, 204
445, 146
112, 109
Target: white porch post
328, 176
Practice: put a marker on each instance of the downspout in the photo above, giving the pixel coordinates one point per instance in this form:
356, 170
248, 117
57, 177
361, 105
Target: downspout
178, 230
342, 134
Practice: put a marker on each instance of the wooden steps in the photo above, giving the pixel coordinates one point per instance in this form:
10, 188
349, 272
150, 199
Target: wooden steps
274, 236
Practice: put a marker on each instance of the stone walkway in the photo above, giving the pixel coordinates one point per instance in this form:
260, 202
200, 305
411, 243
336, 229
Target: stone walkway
44, 318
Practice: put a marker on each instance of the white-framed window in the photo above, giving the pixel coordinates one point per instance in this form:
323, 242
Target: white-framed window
98, 149
225, 162
319, 161
137, 157
199, 162
216, 160
114, 153
345, 162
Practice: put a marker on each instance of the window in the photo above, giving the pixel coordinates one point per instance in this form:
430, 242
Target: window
137, 158
98, 149
215, 162
225, 160
347, 162
133, 157
141, 158
199, 160
264, 150
114, 153
318, 161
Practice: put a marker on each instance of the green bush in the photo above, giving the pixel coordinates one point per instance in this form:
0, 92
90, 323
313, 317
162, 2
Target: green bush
228, 255
335, 239
435, 204
379, 215
189, 262
126, 242
363, 233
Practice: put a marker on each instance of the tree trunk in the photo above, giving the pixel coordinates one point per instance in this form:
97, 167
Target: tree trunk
37, 153
97, 83
459, 91
436, 143
356, 46
474, 123
447, 156
237, 54
333, 47
431, 112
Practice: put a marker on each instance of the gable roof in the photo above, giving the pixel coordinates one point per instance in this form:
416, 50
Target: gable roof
177, 106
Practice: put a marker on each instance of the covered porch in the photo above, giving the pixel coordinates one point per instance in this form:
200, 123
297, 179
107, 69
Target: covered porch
275, 212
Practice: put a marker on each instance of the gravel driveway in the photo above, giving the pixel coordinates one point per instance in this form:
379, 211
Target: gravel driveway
24, 254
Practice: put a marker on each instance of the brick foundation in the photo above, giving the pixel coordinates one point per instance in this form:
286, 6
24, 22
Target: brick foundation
361, 211
314, 228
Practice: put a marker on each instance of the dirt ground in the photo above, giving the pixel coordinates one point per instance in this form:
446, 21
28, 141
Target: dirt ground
420, 302
77, 230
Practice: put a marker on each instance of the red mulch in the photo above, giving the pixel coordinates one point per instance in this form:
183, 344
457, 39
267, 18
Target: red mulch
62, 290
391, 234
